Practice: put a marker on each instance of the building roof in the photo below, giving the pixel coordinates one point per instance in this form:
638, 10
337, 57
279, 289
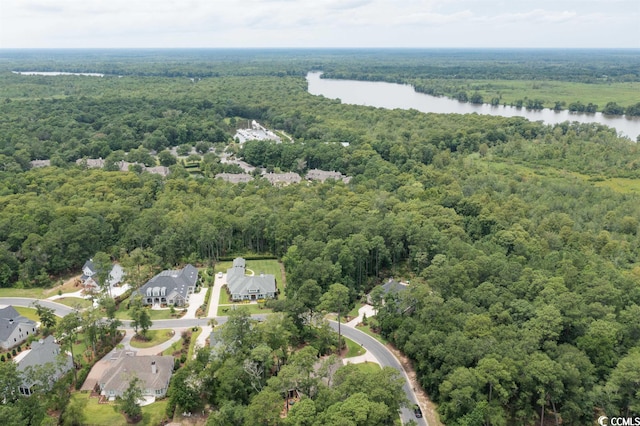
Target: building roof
117, 376
239, 283
393, 286
235, 177
115, 276
168, 281
322, 175
10, 319
284, 178
42, 352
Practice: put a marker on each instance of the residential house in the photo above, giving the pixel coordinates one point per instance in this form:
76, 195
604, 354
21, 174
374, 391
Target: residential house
235, 177
14, 328
153, 372
90, 280
322, 175
249, 287
282, 178
43, 354
391, 287
171, 287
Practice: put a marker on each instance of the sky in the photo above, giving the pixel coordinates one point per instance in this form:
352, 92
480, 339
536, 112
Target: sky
319, 23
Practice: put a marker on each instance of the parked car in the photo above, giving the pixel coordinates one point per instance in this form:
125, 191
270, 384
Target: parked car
219, 274
417, 411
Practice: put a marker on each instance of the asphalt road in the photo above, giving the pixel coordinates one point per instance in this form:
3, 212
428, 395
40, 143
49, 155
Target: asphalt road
382, 354
386, 359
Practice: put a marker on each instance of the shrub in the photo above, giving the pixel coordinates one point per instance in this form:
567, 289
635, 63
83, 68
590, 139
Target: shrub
2, 358
82, 376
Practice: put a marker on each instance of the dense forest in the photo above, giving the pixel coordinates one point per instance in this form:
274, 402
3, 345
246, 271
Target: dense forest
520, 239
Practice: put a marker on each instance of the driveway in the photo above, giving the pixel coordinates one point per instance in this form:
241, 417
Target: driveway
218, 282
195, 301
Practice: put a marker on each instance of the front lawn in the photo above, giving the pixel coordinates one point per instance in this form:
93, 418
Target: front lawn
368, 367
75, 302
252, 308
192, 343
155, 314
377, 336
354, 312
154, 337
354, 349
29, 313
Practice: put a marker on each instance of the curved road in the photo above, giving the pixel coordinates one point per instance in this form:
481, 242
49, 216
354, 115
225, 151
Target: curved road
386, 359
382, 354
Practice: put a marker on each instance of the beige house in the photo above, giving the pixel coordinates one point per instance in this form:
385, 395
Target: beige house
153, 371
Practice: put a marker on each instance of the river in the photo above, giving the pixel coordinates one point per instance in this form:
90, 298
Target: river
392, 96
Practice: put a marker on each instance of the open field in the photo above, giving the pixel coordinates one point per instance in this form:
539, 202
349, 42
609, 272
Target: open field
549, 91
622, 185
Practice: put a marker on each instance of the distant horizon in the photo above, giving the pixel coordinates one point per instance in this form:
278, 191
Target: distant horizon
317, 48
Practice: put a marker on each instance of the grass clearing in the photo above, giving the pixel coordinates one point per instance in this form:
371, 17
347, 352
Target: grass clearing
192, 343
155, 314
106, 414
252, 308
353, 349
175, 347
155, 337
368, 367
354, 312
29, 313
75, 302
35, 293
366, 329
550, 91
621, 185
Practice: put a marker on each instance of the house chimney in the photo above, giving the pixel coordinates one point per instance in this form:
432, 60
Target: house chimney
154, 369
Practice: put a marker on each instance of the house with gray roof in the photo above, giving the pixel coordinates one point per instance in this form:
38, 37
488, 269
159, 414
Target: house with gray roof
45, 353
171, 287
153, 371
14, 328
390, 287
282, 178
322, 175
249, 287
235, 177
89, 277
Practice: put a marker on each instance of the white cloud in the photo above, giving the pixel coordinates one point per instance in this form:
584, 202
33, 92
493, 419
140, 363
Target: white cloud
313, 23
